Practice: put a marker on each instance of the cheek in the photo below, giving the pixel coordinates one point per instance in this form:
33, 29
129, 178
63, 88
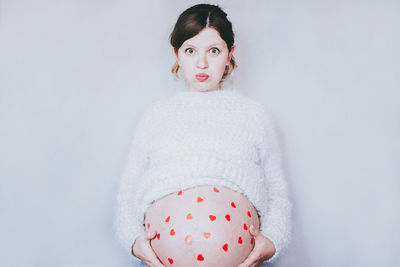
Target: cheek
219, 68
187, 67
189, 61
221, 61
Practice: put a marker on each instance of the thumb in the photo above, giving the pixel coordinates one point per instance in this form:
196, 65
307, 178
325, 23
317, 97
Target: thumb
151, 235
253, 230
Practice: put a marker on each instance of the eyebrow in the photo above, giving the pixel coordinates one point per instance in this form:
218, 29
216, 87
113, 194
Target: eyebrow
208, 46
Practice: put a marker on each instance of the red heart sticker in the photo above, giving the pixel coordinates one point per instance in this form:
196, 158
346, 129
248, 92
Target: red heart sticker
207, 234
188, 239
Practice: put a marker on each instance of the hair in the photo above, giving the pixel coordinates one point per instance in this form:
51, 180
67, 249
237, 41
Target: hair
195, 19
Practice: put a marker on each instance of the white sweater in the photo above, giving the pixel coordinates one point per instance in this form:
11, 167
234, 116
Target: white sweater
205, 138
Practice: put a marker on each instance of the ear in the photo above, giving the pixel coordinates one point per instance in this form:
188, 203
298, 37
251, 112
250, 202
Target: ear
176, 55
230, 54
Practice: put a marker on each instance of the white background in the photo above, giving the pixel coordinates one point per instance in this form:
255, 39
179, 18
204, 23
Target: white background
75, 75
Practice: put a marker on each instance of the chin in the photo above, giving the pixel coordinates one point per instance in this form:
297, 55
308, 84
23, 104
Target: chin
206, 88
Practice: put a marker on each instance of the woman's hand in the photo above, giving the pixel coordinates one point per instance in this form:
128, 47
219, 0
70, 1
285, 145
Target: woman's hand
263, 249
142, 249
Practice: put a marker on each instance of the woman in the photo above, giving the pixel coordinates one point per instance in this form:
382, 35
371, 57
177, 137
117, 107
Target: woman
204, 184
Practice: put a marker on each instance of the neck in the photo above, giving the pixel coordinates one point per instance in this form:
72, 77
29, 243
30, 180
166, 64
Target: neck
218, 88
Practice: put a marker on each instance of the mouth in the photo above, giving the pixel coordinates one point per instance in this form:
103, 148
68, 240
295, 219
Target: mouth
202, 77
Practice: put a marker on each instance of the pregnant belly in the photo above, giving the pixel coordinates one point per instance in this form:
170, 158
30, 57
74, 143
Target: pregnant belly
202, 226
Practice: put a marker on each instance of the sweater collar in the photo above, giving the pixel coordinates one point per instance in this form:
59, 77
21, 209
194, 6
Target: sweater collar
213, 92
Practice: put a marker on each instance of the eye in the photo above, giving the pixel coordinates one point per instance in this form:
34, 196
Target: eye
189, 51
214, 51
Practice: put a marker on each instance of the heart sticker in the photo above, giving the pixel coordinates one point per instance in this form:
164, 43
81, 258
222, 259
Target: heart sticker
188, 239
207, 234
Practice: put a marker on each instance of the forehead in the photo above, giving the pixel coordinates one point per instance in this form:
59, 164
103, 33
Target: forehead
206, 37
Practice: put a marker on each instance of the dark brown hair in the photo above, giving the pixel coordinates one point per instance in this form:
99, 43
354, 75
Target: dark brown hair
195, 19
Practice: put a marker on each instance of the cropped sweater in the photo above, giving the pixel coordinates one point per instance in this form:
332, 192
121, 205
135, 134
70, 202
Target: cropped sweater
204, 138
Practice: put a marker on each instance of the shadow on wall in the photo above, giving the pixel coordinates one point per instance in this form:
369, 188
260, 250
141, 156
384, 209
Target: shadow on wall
296, 253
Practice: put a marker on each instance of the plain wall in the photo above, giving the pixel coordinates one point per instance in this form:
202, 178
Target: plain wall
75, 75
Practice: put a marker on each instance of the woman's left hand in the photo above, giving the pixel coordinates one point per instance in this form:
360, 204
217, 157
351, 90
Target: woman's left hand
263, 249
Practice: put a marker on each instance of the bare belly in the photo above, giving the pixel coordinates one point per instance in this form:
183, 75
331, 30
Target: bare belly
202, 226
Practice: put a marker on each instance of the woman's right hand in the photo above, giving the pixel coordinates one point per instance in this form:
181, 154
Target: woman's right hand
142, 249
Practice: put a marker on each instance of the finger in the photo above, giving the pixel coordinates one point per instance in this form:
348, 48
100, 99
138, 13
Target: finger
252, 258
151, 263
155, 262
133, 245
154, 259
256, 264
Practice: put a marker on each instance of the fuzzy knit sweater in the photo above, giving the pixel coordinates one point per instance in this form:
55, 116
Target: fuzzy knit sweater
205, 138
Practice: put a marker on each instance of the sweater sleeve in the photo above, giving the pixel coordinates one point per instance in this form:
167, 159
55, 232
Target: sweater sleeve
276, 222
129, 224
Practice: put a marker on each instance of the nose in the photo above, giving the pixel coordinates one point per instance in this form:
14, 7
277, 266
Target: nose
202, 61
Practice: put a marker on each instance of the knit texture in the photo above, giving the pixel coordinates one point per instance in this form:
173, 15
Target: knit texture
205, 138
